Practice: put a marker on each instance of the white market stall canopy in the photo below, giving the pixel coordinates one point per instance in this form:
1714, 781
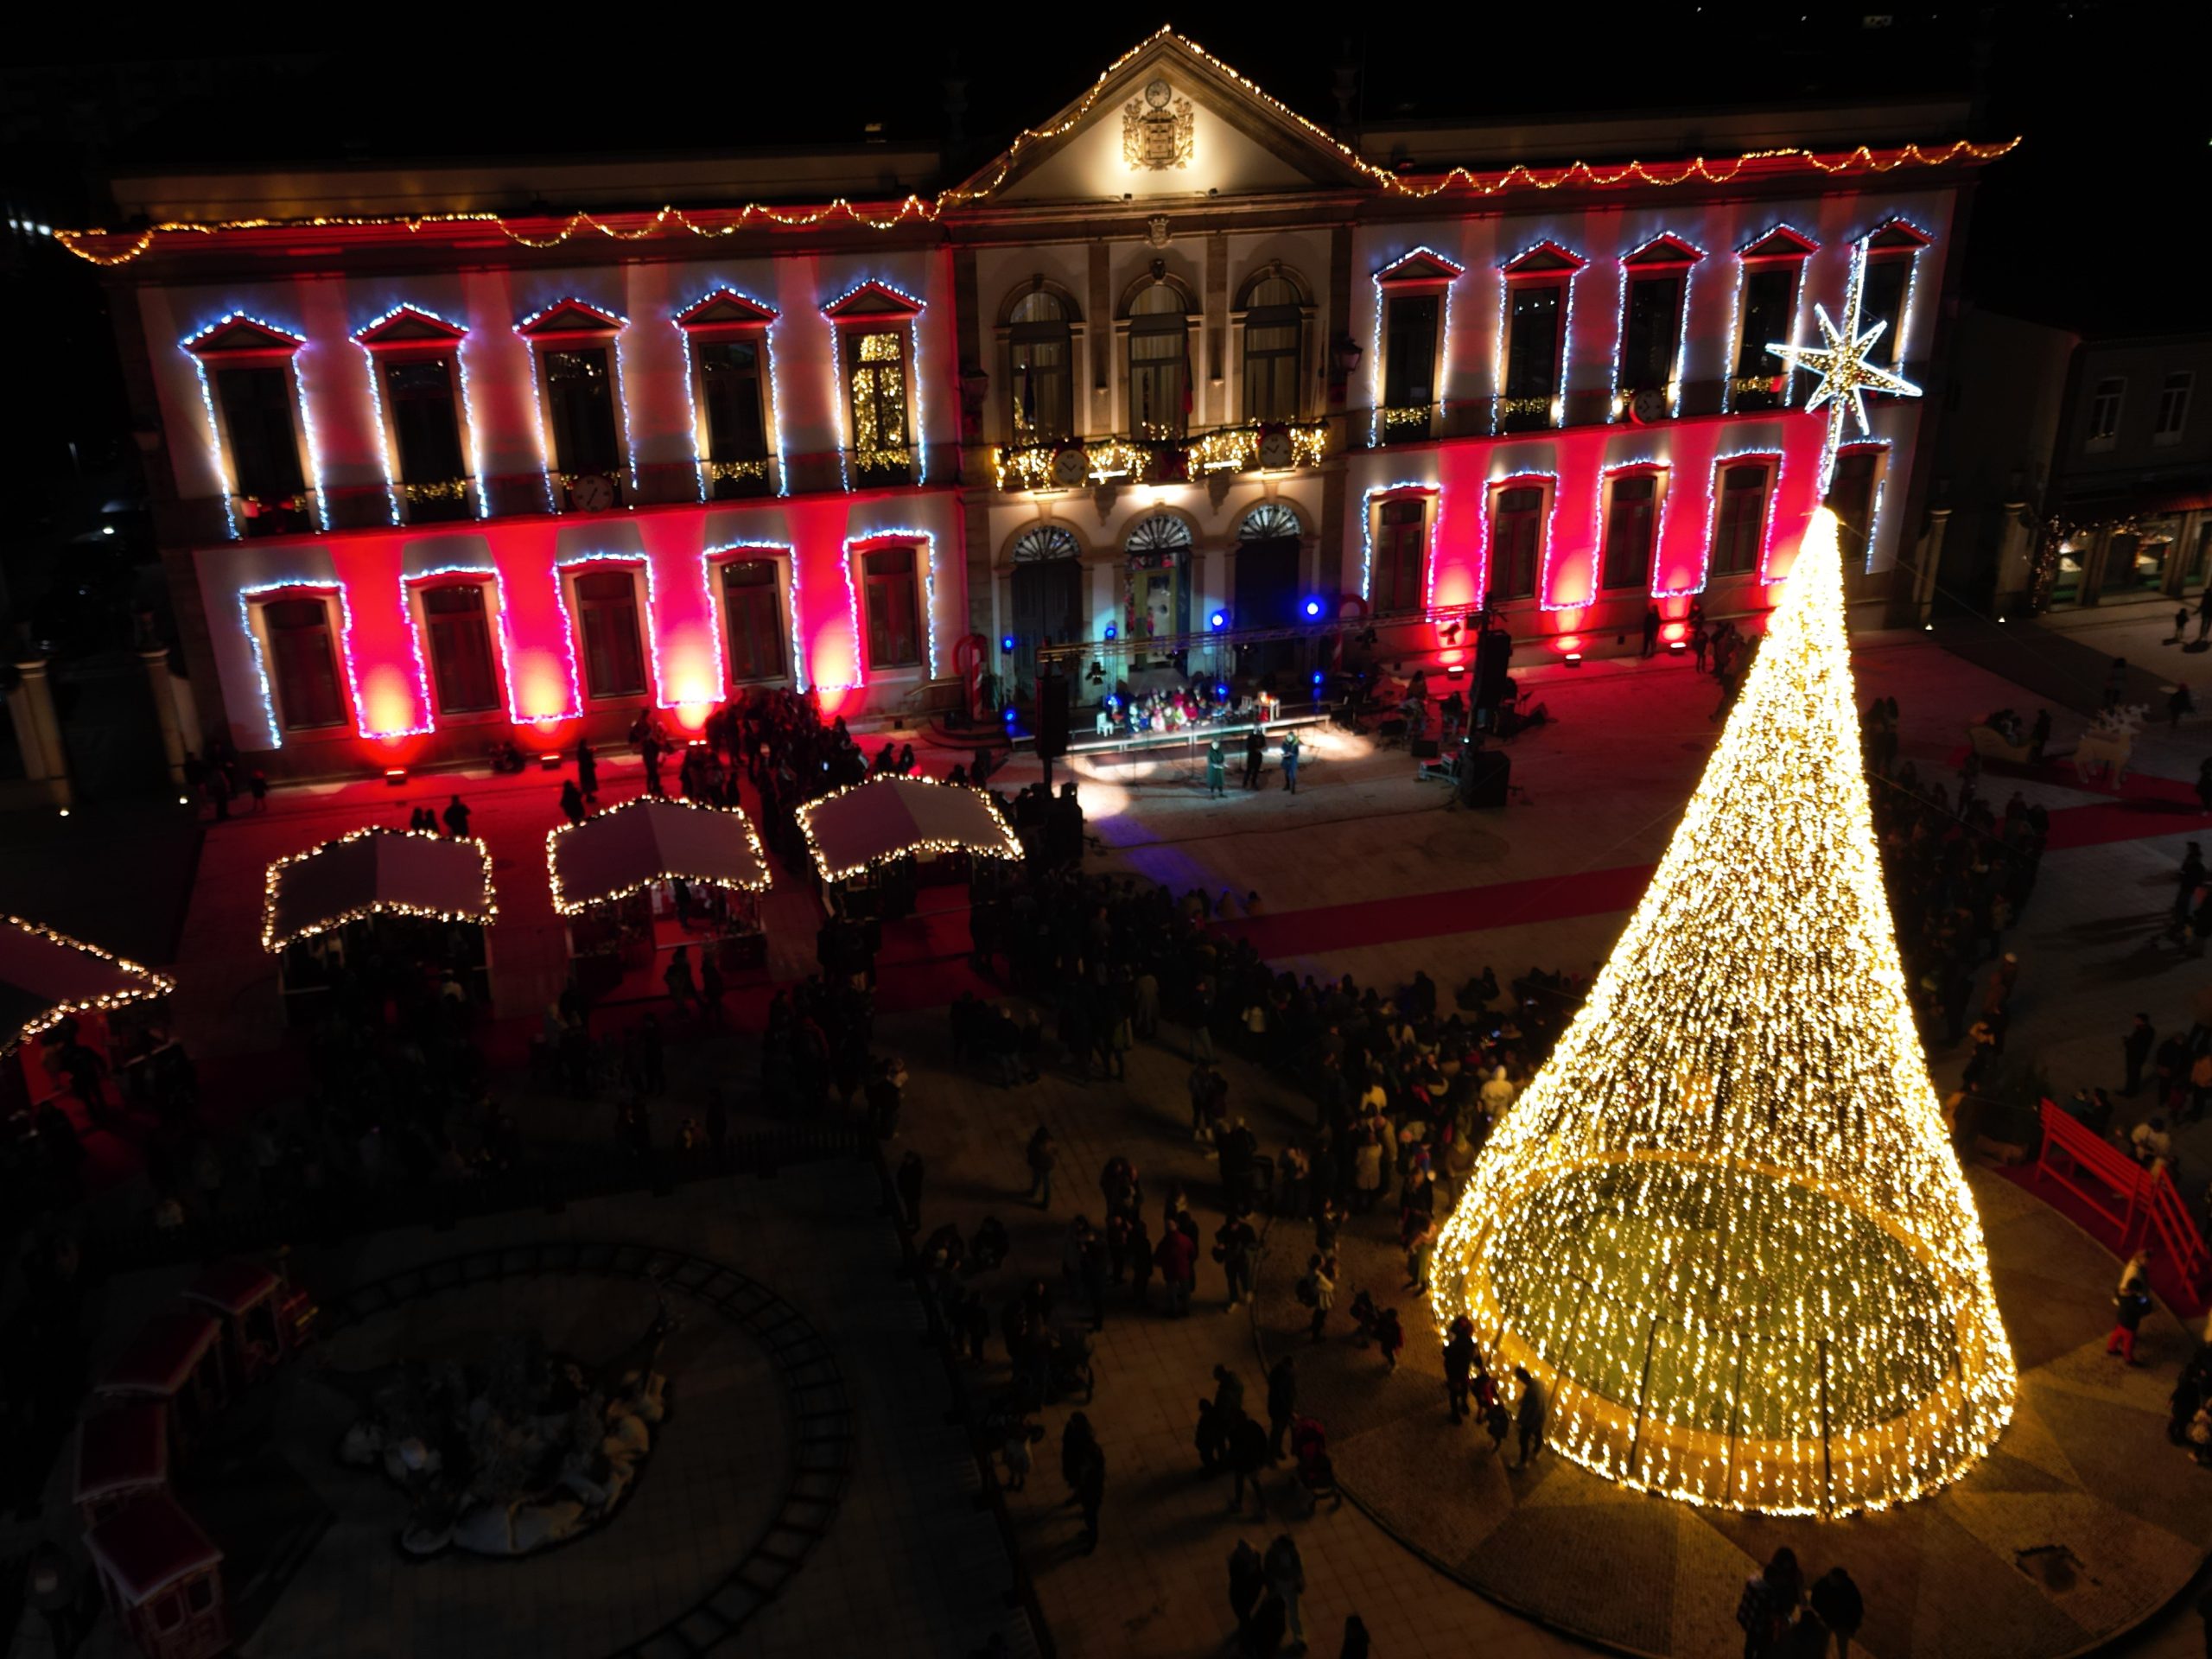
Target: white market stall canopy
856, 828
646, 841
391, 872
45, 977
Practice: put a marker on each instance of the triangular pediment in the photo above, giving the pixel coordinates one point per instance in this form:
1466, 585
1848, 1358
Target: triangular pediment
872, 301
1545, 259
409, 326
1168, 118
1782, 242
239, 335
568, 319
725, 309
1665, 252
1898, 235
1421, 265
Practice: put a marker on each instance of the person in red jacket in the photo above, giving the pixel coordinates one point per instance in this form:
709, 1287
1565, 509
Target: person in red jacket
1177, 1258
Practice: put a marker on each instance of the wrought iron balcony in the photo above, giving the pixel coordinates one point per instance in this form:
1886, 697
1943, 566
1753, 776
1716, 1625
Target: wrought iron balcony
1080, 463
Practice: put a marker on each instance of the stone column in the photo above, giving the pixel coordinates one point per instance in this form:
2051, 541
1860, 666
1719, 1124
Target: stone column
1928, 561
38, 733
2016, 548
2092, 566
158, 682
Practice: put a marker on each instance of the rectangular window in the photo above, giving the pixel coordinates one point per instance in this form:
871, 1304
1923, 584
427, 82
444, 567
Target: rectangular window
1739, 521
729, 387
580, 397
2173, 407
1044, 391
1881, 299
462, 670
1516, 540
1160, 363
426, 424
305, 659
1851, 496
258, 418
1409, 352
892, 600
1631, 514
876, 367
1535, 316
615, 662
1270, 368
752, 612
2104, 411
1400, 553
1651, 332
1770, 305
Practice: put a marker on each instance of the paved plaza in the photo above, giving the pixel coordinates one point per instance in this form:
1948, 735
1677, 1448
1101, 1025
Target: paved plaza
2084, 1523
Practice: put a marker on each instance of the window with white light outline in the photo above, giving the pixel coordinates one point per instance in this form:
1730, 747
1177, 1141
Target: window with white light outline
2105, 402
608, 609
1038, 325
1520, 509
299, 632
249, 370
748, 588
1654, 309
1891, 256
413, 362
1539, 296
1398, 559
1634, 499
1770, 283
457, 617
890, 580
1855, 496
580, 395
1743, 498
1413, 301
726, 339
874, 326
2173, 407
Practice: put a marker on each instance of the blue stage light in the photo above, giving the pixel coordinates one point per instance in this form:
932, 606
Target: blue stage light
1007, 643
1313, 608
1319, 676
1219, 618
1113, 632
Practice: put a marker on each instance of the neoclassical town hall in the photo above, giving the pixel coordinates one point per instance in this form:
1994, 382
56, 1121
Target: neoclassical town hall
437, 468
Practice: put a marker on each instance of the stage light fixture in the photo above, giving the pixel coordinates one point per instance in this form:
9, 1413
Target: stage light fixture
1218, 620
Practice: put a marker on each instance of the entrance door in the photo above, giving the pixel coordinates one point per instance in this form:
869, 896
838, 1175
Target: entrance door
1267, 597
1047, 608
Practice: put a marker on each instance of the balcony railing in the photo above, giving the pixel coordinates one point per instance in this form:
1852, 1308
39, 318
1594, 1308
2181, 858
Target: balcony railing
1072, 463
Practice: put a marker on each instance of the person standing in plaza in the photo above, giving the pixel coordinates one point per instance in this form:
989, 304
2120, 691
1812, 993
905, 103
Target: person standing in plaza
1529, 1416
1177, 1260
1236, 1245
1216, 770
1247, 1579
1041, 1155
1651, 631
2136, 1047
1320, 1293
457, 819
1459, 1368
2129, 1306
1287, 1579
1090, 1493
1837, 1603
587, 771
1255, 756
683, 989
1292, 748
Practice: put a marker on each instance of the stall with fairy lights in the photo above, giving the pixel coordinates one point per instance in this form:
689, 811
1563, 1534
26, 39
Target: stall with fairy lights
58, 995
424, 898
651, 876
874, 841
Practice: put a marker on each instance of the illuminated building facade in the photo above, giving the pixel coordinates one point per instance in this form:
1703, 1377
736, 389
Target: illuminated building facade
437, 471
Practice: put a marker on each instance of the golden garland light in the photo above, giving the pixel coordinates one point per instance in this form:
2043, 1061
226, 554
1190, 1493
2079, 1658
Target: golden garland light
273, 879
636, 227
1005, 845
1724, 1228
564, 905
149, 984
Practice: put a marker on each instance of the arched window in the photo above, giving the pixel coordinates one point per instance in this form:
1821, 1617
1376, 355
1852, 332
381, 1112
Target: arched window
1273, 325
1161, 533
1270, 521
1160, 363
1042, 541
1040, 352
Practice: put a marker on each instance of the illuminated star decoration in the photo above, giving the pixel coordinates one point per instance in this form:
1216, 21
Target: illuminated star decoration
1844, 370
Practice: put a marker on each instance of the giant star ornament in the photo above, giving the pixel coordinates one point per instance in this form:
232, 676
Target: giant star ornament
1845, 371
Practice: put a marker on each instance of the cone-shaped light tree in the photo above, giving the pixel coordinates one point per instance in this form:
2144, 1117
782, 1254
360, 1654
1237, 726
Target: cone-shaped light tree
1723, 1227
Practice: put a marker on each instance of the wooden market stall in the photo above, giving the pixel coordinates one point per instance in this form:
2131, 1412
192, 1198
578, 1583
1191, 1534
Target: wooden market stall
873, 840
263, 1317
638, 881
57, 993
122, 1453
164, 1577
427, 897
176, 1360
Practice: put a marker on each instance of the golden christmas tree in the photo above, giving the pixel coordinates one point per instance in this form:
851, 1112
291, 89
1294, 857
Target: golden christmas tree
1724, 1228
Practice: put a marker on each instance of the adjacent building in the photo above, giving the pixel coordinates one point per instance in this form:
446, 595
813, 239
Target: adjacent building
439, 465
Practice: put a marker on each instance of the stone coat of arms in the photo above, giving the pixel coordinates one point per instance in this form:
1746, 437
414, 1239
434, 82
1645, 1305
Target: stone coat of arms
1156, 128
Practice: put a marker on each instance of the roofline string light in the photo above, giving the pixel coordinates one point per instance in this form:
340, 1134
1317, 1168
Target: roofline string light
150, 984
564, 905
1007, 846
274, 875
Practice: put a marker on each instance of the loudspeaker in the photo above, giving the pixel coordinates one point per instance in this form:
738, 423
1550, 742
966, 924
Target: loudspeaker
1493, 651
1051, 715
1424, 748
1484, 777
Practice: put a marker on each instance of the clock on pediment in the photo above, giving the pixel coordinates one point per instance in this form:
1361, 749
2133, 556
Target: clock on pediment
1156, 128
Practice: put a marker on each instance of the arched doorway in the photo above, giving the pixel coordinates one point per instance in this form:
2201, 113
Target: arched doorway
1047, 599
1156, 600
1268, 558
